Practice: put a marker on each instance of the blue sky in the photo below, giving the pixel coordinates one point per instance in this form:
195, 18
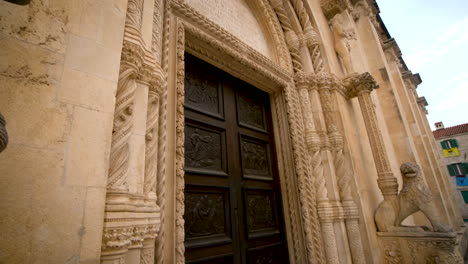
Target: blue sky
433, 37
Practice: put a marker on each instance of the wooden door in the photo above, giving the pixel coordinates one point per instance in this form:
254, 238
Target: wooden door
233, 210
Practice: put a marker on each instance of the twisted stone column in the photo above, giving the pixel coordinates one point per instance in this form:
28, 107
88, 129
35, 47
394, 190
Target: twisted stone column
151, 154
304, 82
327, 83
131, 220
360, 86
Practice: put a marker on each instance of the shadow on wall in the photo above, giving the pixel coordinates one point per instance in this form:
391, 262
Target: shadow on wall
19, 2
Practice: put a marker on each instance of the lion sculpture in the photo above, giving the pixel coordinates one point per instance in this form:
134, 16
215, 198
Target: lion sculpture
415, 196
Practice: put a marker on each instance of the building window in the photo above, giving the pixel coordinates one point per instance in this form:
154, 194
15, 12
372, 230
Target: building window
465, 196
450, 148
458, 169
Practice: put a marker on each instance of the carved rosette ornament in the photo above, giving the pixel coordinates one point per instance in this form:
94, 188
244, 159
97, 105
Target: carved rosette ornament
3, 134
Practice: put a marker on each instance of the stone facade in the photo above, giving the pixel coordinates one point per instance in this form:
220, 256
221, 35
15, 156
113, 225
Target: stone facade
93, 97
460, 134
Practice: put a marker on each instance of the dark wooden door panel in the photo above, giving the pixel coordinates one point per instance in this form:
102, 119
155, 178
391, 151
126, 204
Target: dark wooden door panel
233, 210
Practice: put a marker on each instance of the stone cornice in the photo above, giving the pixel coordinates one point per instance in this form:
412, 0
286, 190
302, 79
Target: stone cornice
414, 79
359, 83
422, 102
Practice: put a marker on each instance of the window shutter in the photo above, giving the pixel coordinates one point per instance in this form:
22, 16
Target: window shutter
465, 196
444, 144
451, 170
454, 143
465, 168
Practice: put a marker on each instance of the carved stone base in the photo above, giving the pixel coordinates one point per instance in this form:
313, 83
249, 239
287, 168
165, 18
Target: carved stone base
419, 247
131, 222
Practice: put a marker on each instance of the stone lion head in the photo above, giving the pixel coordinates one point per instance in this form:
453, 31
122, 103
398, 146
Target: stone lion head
409, 169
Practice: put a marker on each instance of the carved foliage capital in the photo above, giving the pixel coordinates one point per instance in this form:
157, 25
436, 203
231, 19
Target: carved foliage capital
327, 81
356, 84
305, 80
132, 56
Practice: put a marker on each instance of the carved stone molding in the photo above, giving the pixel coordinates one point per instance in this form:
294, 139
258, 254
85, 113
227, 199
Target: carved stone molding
3, 133
419, 247
180, 139
224, 40
207, 41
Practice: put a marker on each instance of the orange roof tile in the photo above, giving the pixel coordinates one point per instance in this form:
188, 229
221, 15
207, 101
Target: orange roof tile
449, 131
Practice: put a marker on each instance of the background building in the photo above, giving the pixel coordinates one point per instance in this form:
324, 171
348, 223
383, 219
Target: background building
207, 131
453, 148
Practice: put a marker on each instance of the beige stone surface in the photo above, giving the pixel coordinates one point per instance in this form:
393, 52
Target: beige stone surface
90, 57
60, 74
87, 90
236, 17
89, 128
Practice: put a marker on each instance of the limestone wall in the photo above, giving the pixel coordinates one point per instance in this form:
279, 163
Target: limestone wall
58, 75
341, 139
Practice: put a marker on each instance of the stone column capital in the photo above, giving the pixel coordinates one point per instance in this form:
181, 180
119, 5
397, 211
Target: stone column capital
305, 80
327, 81
358, 83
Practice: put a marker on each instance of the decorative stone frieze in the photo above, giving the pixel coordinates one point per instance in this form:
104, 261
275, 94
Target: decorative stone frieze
3, 133
419, 247
128, 226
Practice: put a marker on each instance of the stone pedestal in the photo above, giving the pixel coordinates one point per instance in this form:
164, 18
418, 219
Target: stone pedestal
419, 247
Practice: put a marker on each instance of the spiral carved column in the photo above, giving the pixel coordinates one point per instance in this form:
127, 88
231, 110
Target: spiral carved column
131, 220
327, 86
305, 82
